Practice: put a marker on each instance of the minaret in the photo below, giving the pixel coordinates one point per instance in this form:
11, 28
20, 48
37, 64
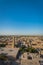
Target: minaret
13, 42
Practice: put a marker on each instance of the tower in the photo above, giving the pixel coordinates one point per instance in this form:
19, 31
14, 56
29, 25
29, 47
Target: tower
13, 42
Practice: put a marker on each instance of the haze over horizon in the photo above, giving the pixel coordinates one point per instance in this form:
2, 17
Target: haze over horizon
21, 17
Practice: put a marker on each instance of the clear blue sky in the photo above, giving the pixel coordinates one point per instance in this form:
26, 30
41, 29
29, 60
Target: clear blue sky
21, 17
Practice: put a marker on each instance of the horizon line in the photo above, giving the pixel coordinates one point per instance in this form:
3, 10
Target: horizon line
20, 35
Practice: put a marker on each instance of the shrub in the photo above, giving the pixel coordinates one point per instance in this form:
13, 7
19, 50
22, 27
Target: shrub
22, 49
31, 50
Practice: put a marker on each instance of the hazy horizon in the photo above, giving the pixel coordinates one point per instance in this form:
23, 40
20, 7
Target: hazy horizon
21, 17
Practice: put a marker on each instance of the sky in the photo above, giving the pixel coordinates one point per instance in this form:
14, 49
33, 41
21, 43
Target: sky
21, 17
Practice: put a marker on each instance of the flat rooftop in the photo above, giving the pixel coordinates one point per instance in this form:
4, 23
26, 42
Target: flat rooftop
9, 51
